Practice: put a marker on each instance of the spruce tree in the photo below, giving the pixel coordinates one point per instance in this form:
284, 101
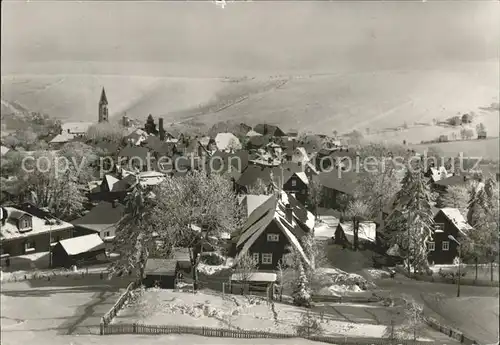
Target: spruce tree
412, 225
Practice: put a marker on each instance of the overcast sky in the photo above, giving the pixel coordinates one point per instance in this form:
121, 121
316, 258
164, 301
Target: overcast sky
256, 36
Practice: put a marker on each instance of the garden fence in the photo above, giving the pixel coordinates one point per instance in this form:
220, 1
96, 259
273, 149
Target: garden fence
110, 315
136, 328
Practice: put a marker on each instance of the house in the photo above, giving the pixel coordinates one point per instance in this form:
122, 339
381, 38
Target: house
161, 273
297, 184
336, 157
453, 180
481, 135
135, 157
136, 136
59, 140
437, 174
448, 221
271, 130
273, 227
158, 147
344, 234
78, 251
335, 184
101, 219
232, 163
300, 156
227, 142
113, 187
27, 229
78, 129
257, 142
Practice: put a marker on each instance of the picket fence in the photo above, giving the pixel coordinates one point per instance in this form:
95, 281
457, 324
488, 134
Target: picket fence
110, 315
238, 333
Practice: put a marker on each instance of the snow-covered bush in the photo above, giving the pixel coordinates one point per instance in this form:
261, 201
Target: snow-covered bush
212, 258
309, 325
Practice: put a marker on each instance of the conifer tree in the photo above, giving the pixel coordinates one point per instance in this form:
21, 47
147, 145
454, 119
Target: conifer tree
411, 227
301, 293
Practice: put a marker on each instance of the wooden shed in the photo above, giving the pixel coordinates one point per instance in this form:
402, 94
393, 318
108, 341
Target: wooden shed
78, 250
161, 273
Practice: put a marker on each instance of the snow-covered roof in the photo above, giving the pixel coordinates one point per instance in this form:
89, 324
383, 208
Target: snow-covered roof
366, 231
255, 276
82, 244
254, 201
225, 141
4, 150
76, 127
62, 138
10, 230
439, 173
303, 177
111, 180
309, 220
457, 219
151, 178
276, 214
302, 151
253, 133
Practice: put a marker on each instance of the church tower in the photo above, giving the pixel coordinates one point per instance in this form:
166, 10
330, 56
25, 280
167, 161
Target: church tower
103, 107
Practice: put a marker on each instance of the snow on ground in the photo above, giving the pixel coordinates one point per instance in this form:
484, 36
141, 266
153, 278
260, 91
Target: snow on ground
325, 227
476, 316
377, 273
166, 307
335, 282
214, 269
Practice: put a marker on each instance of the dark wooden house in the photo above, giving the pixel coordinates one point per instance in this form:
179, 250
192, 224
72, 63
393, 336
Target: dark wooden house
78, 251
27, 229
272, 228
448, 221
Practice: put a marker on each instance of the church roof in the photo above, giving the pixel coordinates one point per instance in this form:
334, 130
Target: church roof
104, 99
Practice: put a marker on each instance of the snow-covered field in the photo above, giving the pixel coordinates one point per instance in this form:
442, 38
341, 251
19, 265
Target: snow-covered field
164, 307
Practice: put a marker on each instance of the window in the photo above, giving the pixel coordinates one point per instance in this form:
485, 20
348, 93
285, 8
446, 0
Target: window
255, 257
446, 245
29, 246
438, 227
106, 234
267, 258
294, 183
26, 223
273, 238
431, 246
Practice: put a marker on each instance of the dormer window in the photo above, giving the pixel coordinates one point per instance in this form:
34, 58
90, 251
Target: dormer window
25, 223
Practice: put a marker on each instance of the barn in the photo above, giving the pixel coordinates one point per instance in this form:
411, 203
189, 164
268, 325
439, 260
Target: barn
78, 250
161, 272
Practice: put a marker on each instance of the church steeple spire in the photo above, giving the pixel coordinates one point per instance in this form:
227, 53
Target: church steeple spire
104, 99
103, 107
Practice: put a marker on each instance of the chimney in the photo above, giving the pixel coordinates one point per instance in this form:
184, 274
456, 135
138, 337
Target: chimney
161, 130
288, 213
